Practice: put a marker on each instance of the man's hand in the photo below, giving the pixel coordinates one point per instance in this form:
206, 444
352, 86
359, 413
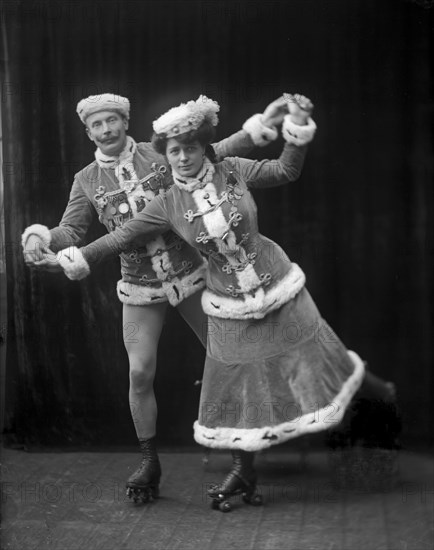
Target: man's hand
49, 263
38, 256
274, 113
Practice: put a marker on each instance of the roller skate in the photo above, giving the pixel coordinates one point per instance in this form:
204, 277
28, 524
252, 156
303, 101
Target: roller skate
143, 484
241, 480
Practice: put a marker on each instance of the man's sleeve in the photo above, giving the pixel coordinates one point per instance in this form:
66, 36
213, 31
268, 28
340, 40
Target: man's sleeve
254, 133
76, 219
73, 226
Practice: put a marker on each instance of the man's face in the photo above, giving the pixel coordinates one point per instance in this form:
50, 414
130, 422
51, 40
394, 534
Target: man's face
107, 129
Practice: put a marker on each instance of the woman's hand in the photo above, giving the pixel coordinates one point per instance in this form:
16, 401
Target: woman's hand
275, 112
300, 107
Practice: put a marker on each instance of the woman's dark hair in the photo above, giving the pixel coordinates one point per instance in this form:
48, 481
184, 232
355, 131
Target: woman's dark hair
205, 135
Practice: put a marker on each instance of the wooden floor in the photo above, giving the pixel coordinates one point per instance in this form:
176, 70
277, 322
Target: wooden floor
76, 500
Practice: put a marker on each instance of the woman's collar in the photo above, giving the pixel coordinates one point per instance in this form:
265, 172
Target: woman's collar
199, 181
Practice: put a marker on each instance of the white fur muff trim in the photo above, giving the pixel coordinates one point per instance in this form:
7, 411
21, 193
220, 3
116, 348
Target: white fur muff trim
296, 134
73, 263
186, 286
40, 231
139, 295
258, 304
261, 135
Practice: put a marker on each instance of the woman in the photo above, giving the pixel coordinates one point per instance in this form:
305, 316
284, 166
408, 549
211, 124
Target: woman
267, 343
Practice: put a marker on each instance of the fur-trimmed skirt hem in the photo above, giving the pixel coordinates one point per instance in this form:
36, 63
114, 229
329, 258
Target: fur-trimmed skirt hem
269, 380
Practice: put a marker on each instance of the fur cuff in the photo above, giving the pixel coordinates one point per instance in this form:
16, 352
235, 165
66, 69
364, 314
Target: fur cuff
261, 135
73, 263
37, 229
296, 134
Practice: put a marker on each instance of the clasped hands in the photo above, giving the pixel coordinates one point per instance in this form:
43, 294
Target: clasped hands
276, 111
39, 257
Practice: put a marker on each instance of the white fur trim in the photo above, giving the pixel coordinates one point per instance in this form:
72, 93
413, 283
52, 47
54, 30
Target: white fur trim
257, 439
185, 286
260, 133
138, 295
215, 221
160, 261
258, 305
73, 263
248, 279
187, 116
41, 231
296, 134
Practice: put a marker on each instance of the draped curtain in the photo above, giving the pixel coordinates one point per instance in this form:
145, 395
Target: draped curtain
358, 221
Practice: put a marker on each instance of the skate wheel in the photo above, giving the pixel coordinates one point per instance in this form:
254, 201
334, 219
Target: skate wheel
144, 495
225, 506
215, 504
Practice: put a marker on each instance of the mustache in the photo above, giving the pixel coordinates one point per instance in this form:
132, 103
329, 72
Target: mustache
109, 138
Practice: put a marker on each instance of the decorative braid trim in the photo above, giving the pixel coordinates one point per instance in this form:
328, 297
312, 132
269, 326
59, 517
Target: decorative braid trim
73, 263
258, 305
257, 439
296, 134
41, 231
261, 135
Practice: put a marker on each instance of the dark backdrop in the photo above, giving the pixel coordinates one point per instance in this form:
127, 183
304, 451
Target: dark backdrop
358, 220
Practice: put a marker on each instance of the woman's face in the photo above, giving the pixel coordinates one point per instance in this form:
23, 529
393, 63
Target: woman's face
185, 158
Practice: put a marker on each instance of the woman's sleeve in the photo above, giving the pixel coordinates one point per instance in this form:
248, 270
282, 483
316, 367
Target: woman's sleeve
288, 167
135, 233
